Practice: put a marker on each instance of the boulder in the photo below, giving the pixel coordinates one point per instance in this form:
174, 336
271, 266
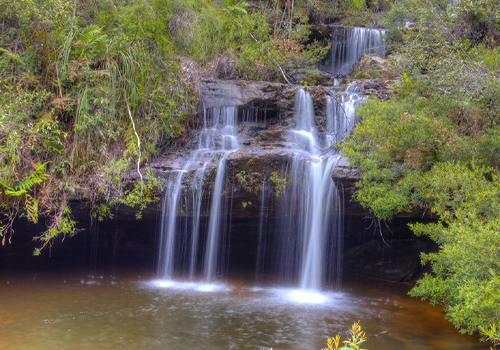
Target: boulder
345, 173
372, 66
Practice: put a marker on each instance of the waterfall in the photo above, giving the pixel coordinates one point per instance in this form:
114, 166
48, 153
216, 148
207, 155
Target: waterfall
261, 243
224, 118
177, 250
212, 248
305, 109
310, 208
340, 117
197, 195
167, 241
321, 199
349, 43
303, 243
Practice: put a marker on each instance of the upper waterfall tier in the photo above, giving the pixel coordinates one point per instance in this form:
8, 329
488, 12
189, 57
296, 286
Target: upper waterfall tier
349, 43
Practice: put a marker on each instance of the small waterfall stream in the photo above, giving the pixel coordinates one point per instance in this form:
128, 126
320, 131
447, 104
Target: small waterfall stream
217, 138
167, 240
349, 43
261, 243
310, 209
341, 114
197, 196
212, 248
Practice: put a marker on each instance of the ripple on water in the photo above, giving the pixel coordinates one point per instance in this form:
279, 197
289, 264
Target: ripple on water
195, 286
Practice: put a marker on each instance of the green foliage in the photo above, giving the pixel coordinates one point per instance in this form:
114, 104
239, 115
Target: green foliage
247, 181
113, 192
359, 4
492, 334
61, 224
22, 188
77, 97
436, 146
398, 140
274, 56
25, 185
142, 194
353, 343
47, 13
279, 183
466, 273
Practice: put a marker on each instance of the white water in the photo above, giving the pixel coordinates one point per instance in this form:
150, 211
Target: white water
309, 226
169, 214
341, 113
212, 248
195, 230
310, 210
349, 43
224, 118
217, 139
323, 194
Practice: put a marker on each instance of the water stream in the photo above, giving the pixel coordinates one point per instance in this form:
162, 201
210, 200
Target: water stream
349, 43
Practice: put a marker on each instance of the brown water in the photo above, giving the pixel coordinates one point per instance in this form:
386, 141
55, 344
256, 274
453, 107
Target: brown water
60, 311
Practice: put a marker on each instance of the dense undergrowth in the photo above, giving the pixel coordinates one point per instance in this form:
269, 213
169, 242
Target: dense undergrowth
436, 146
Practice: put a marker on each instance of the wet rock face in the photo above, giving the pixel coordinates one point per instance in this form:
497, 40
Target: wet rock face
265, 124
389, 251
344, 173
397, 261
265, 130
256, 95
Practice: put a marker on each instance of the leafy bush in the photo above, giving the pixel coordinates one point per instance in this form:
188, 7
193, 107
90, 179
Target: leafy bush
436, 146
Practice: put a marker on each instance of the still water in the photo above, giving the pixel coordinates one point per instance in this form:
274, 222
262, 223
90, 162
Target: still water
135, 311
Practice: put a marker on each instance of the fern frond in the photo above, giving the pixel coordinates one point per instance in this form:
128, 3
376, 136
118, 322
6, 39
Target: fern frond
131, 143
37, 177
91, 35
13, 57
31, 206
15, 193
4, 184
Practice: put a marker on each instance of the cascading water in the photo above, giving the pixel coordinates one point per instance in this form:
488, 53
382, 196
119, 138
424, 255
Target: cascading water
197, 196
306, 239
341, 113
309, 211
168, 225
177, 251
349, 43
261, 243
212, 247
305, 247
225, 118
